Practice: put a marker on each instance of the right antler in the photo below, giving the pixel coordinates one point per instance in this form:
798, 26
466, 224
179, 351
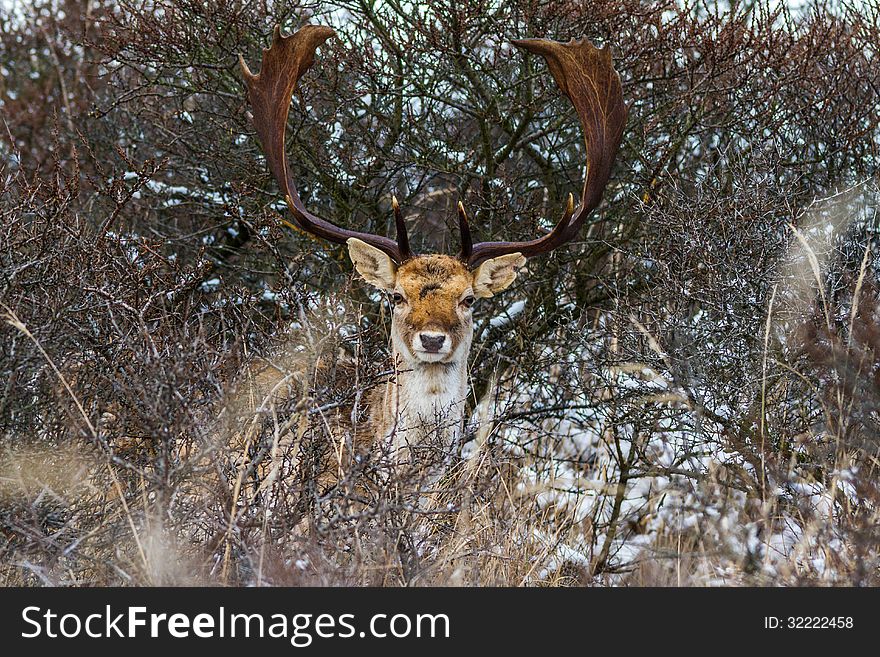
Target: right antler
269, 92
585, 74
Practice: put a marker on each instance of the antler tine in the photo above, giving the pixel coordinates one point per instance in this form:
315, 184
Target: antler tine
587, 77
269, 93
400, 226
467, 243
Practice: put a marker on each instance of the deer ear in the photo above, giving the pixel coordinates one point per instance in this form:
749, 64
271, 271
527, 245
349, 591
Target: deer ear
374, 265
496, 274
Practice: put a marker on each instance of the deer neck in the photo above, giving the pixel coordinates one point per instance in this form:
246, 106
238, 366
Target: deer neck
430, 384
424, 396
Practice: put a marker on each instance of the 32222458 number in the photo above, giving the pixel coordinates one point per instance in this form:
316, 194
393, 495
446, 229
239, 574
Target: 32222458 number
808, 622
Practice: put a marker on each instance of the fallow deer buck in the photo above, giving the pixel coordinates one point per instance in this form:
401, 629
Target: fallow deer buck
433, 295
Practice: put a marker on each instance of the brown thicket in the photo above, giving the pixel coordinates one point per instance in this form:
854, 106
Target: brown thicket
687, 394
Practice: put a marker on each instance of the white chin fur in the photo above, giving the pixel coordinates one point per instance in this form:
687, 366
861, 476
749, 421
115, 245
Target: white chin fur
430, 357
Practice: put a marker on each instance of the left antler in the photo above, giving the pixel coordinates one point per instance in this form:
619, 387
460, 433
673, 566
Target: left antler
586, 75
269, 92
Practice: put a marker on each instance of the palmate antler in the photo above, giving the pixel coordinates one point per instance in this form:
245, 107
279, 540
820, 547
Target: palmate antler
269, 92
584, 73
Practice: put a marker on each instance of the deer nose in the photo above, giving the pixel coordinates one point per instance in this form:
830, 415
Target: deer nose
431, 341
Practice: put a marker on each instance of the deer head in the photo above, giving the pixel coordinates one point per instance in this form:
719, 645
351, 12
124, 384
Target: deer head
433, 294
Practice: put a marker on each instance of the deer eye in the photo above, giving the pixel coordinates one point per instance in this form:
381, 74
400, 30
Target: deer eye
468, 301
397, 298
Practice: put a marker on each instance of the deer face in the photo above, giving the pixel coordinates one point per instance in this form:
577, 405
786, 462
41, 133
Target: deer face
433, 298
